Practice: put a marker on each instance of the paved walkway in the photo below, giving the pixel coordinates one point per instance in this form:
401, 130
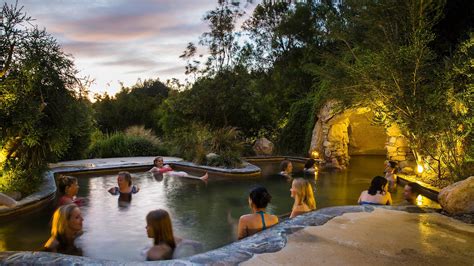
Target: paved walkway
382, 237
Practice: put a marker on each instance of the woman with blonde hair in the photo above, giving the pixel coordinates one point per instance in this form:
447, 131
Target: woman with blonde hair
302, 191
66, 226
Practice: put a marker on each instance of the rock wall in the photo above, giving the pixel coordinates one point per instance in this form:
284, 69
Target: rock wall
338, 135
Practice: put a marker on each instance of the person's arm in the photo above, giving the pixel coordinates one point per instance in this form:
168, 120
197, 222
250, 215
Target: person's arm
7, 201
389, 199
242, 228
297, 210
360, 198
51, 245
158, 252
113, 191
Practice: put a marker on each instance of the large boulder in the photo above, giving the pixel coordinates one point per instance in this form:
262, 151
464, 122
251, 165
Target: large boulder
458, 198
263, 147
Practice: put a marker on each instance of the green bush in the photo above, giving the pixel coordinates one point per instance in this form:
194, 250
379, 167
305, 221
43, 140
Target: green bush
194, 142
23, 181
122, 145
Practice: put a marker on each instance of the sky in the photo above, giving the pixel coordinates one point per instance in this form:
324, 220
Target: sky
123, 40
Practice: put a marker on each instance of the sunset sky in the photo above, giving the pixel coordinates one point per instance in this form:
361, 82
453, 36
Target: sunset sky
123, 40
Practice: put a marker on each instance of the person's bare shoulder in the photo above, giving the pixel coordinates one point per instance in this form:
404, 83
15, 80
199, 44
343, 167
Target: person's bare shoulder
158, 252
51, 244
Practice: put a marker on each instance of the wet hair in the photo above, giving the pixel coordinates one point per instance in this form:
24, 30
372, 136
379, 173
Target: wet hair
392, 164
309, 163
160, 222
377, 184
127, 177
65, 181
260, 197
304, 190
60, 221
284, 164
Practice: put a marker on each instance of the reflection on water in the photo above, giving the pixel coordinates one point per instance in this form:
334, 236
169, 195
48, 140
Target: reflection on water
204, 211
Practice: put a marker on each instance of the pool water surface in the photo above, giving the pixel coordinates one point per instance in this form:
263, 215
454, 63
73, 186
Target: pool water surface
207, 212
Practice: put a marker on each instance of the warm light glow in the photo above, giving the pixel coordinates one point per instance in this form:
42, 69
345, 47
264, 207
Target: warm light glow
419, 200
419, 169
315, 154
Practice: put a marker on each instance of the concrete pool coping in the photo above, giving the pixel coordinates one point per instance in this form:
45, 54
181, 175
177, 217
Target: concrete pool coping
272, 240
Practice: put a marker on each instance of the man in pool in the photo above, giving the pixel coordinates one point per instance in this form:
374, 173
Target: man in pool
410, 193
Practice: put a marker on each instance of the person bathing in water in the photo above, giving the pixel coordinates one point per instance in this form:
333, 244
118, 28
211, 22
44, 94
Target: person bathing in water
161, 168
124, 181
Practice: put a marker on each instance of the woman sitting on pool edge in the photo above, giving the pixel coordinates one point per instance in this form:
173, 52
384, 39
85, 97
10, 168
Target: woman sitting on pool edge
302, 191
161, 168
66, 226
165, 245
124, 181
250, 224
377, 194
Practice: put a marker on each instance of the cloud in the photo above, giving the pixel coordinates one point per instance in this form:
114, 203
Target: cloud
135, 62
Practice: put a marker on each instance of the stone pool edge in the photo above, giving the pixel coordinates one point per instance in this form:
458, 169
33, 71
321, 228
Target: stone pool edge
268, 241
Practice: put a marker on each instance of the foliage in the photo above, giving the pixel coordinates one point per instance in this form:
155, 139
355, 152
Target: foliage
131, 106
235, 102
25, 181
392, 68
196, 141
123, 145
42, 114
297, 132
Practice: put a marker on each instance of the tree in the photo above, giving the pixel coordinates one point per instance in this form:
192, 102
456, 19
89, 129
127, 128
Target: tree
382, 57
40, 111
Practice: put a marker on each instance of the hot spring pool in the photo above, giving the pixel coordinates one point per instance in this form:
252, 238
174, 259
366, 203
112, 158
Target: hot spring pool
206, 212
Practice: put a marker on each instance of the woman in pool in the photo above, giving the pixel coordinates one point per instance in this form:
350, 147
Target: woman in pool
258, 220
68, 188
66, 226
309, 166
286, 168
377, 194
165, 245
161, 168
302, 191
124, 181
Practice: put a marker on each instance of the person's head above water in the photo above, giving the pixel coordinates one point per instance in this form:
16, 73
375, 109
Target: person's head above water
286, 166
378, 183
309, 163
259, 197
67, 185
158, 161
124, 179
302, 191
411, 192
158, 226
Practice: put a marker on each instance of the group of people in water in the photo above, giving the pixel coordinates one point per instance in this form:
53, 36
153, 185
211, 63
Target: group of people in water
67, 220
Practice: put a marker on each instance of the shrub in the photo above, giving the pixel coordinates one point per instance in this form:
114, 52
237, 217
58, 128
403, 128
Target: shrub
194, 142
21, 180
122, 145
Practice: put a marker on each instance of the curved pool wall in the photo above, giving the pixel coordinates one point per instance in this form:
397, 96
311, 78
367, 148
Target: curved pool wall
270, 240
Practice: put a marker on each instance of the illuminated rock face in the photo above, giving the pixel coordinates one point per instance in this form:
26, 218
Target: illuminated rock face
338, 135
458, 198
